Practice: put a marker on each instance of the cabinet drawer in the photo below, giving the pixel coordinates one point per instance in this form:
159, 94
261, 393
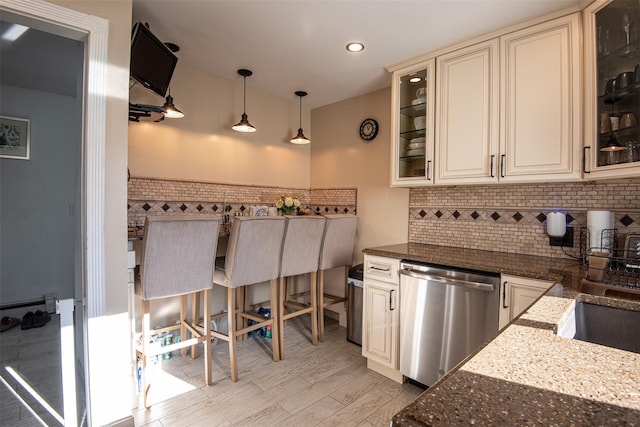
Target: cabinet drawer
381, 268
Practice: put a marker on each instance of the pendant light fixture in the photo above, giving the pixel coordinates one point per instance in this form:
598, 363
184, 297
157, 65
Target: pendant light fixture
243, 125
170, 110
300, 138
613, 145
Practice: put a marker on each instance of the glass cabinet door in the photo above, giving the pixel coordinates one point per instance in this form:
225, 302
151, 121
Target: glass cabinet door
413, 94
617, 73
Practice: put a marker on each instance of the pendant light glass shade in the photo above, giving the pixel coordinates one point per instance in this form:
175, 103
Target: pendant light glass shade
613, 145
170, 110
300, 139
243, 125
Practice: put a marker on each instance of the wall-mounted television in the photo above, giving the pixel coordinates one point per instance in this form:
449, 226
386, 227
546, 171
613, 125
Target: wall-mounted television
152, 63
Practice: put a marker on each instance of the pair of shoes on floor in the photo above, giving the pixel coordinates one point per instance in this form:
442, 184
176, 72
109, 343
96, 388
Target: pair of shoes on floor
8, 322
34, 320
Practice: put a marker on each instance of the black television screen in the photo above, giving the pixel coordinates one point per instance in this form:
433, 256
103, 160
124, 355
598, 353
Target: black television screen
152, 63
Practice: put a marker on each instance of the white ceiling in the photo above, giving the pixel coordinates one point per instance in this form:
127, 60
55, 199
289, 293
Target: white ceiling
300, 44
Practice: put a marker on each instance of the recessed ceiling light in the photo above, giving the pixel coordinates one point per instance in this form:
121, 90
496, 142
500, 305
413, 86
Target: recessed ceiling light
414, 79
355, 47
14, 32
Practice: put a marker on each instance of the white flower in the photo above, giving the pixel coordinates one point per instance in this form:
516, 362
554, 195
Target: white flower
288, 202
296, 202
279, 203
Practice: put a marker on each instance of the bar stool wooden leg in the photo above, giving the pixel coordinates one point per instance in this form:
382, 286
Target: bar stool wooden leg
314, 307
241, 322
282, 297
321, 305
183, 320
207, 335
346, 290
275, 329
231, 307
195, 317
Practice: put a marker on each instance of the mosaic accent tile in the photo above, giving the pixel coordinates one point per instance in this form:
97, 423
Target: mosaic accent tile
522, 210
626, 220
422, 213
456, 214
158, 197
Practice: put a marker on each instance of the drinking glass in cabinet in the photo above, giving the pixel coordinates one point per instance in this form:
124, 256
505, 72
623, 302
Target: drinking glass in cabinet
413, 123
617, 68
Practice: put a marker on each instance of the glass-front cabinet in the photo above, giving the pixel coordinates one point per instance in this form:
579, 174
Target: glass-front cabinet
412, 125
612, 110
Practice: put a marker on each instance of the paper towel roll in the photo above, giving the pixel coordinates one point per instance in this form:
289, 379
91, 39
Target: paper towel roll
600, 226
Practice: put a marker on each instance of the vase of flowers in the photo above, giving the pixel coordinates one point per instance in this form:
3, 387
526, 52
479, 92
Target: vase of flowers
288, 205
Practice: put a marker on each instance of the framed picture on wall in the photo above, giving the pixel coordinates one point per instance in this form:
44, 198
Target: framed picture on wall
14, 138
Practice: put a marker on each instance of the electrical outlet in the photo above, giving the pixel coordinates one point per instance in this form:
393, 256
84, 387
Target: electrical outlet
566, 240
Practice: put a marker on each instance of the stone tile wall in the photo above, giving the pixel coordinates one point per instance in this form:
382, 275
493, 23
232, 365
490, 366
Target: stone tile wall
162, 196
512, 218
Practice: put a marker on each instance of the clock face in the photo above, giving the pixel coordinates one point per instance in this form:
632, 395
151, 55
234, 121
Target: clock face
368, 129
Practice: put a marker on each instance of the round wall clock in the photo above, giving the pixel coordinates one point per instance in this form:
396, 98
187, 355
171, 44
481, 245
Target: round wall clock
368, 129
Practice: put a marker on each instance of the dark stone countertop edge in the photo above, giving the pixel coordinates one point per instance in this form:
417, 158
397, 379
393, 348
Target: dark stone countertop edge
566, 273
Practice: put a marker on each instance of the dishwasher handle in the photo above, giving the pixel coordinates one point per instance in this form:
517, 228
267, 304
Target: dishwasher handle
447, 280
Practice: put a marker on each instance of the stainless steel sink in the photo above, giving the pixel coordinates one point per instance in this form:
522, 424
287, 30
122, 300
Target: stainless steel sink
599, 324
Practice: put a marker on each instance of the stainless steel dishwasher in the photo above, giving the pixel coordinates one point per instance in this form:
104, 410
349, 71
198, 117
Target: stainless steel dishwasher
445, 315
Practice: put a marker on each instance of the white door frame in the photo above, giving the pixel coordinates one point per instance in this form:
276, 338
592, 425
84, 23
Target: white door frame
95, 30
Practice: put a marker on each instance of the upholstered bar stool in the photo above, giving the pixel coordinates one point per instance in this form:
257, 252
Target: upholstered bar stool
300, 255
178, 255
337, 251
253, 257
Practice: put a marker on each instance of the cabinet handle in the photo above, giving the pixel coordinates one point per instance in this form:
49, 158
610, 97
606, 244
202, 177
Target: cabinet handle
391, 307
384, 270
502, 157
493, 157
428, 170
504, 295
584, 159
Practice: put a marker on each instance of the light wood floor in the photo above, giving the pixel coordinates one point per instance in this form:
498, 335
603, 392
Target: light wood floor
327, 385
34, 354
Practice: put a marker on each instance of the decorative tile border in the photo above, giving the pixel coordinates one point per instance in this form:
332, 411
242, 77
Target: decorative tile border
149, 196
512, 218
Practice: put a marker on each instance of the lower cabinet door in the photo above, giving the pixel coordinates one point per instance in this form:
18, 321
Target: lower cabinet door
518, 294
380, 323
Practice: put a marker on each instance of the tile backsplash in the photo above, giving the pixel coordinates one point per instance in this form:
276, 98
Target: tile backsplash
512, 218
148, 196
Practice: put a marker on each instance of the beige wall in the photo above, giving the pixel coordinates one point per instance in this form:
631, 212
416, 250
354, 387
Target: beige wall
202, 147
339, 158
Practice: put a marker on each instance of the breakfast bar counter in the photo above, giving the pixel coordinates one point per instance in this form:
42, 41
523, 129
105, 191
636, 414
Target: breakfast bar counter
528, 375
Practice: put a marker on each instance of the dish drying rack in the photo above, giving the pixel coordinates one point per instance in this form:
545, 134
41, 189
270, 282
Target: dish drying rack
615, 263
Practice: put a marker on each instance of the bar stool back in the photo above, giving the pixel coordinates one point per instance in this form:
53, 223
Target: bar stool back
337, 251
253, 256
300, 255
178, 256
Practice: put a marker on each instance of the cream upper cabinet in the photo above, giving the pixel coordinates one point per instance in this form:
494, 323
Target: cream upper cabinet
507, 109
541, 112
612, 89
412, 95
467, 114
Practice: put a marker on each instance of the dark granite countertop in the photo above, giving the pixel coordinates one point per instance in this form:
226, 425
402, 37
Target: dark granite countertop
528, 375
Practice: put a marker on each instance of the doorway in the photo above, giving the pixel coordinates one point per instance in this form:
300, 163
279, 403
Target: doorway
51, 208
